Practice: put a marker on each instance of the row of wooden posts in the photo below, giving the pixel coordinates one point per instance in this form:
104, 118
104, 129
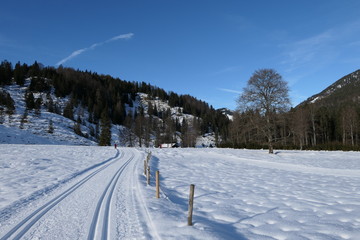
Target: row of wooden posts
157, 187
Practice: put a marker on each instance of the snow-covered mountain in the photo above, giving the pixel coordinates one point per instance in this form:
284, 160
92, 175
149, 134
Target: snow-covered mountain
343, 91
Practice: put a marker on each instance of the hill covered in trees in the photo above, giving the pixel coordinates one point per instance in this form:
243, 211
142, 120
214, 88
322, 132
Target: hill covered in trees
95, 103
104, 109
329, 120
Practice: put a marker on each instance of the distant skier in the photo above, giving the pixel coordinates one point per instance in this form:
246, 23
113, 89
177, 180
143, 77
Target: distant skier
115, 145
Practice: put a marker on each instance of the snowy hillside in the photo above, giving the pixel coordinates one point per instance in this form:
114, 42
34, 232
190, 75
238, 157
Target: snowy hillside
346, 87
76, 192
144, 100
29, 127
35, 128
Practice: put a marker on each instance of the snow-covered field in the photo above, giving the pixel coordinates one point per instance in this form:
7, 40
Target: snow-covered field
76, 192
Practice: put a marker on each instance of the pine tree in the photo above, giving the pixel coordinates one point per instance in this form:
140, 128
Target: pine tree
6, 73
10, 104
92, 131
34, 70
38, 103
19, 74
51, 127
23, 119
30, 100
77, 129
50, 104
2, 117
68, 110
105, 135
127, 135
119, 113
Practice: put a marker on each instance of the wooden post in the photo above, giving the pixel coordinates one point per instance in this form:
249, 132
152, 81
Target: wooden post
157, 185
148, 175
191, 204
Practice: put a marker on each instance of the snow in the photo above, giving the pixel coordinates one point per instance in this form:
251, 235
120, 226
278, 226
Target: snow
162, 106
246, 194
315, 99
36, 126
207, 140
239, 194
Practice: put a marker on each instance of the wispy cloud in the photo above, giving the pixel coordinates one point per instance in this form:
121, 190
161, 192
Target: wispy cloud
72, 55
230, 90
228, 69
122, 36
93, 46
302, 52
322, 48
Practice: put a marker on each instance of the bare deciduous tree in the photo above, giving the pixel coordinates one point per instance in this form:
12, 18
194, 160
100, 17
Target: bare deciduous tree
266, 93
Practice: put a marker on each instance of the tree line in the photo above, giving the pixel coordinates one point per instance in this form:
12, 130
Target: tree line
266, 120
108, 100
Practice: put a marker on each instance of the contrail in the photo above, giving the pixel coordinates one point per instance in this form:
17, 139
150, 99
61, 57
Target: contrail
93, 46
230, 90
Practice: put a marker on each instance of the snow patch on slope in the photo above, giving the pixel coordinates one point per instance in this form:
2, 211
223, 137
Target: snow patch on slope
38, 125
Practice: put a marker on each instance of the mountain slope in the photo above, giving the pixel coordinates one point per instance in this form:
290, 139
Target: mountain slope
74, 107
93, 104
344, 91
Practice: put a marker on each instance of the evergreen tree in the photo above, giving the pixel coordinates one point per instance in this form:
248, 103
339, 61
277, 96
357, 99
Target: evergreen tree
158, 139
34, 70
39, 84
37, 107
105, 135
150, 108
50, 104
127, 135
139, 128
68, 110
6, 73
19, 74
78, 120
92, 131
77, 129
8, 102
51, 127
119, 113
29, 100
2, 115
23, 119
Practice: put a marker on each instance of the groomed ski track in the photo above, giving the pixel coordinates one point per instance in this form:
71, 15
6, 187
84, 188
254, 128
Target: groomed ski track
103, 202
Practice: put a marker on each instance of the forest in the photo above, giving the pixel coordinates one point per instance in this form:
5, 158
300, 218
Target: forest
107, 98
329, 120
330, 124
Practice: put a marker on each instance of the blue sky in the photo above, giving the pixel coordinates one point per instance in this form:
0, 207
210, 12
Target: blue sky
205, 48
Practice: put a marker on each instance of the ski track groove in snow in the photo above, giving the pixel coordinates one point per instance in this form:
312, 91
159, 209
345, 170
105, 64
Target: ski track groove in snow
106, 207
240, 194
132, 214
30, 220
138, 199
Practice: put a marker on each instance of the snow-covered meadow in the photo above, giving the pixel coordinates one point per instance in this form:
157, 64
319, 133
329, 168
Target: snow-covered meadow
249, 194
239, 194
